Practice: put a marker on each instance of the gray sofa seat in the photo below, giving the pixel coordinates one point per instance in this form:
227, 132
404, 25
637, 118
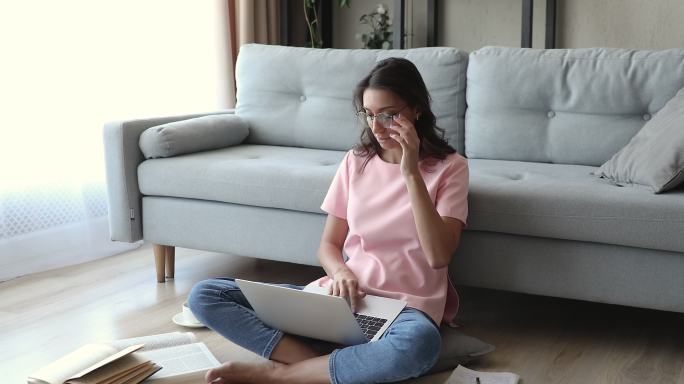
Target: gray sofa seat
524, 198
256, 175
567, 202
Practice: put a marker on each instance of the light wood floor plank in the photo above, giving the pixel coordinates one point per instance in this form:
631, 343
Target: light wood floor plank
544, 340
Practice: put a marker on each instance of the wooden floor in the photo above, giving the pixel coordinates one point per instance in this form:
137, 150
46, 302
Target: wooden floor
544, 340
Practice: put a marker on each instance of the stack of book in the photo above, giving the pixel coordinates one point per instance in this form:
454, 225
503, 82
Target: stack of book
129, 361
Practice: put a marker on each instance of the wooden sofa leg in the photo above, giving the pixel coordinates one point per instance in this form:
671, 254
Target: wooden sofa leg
160, 261
170, 261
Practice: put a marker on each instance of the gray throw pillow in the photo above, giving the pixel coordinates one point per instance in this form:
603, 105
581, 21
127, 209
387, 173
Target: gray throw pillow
655, 155
193, 135
458, 348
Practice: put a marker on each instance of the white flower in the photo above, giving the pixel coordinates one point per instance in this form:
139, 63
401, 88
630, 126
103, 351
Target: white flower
381, 9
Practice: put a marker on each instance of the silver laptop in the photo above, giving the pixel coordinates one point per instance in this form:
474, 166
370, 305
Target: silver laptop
313, 313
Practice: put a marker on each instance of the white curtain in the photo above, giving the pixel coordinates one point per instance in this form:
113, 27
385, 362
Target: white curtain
68, 67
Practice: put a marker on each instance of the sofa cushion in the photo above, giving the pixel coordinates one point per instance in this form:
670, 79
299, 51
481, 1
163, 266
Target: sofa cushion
258, 175
568, 202
568, 106
302, 97
458, 348
534, 199
655, 156
193, 135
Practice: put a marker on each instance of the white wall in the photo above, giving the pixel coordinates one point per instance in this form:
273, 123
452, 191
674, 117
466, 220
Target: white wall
637, 24
471, 24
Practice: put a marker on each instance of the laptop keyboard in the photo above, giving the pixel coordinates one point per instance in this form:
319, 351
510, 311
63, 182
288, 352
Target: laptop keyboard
369, 325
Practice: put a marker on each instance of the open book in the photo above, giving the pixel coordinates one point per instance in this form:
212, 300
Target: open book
463, 375
129, 361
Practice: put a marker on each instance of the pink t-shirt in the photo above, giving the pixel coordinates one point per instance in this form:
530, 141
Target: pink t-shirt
382, 244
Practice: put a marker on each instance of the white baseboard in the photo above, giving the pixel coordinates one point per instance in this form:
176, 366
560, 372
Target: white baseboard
57, 247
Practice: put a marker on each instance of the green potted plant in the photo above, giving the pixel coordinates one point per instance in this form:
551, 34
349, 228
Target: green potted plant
380, 35
311, 16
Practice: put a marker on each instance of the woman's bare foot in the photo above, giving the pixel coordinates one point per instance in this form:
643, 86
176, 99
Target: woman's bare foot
240, 372
311, 371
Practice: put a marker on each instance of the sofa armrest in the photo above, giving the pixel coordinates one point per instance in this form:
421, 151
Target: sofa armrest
122, 157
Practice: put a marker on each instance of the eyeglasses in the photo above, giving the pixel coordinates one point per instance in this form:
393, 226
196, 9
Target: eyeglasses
384, 119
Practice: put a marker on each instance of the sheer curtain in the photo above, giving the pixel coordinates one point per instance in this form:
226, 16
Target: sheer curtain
67, 68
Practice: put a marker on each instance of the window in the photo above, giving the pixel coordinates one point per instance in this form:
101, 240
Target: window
70, 66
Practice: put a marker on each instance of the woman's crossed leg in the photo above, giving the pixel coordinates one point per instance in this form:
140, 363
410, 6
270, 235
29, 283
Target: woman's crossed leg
408, 349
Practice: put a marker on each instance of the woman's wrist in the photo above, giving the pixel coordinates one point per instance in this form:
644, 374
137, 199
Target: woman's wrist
341, 268
413, 178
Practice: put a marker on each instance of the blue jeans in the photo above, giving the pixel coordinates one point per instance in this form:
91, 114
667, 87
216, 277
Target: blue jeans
408, 349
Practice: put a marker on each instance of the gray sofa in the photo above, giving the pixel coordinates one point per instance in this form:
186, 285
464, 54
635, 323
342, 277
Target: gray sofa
534, 124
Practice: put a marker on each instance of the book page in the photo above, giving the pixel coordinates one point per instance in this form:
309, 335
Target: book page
119, 368
140, 377
463, 375
69, 365
153, 342
108, 360
181, 359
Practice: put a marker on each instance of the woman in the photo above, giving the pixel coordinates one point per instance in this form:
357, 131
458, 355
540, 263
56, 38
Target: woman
397, 206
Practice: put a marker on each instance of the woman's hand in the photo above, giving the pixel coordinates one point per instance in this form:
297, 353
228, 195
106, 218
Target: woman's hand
345, 284
405, 134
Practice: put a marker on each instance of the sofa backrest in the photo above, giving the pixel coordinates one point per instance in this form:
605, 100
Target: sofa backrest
571, 106
302, 97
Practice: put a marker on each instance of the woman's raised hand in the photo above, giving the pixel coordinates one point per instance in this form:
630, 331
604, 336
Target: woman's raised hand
405, 134
345, 284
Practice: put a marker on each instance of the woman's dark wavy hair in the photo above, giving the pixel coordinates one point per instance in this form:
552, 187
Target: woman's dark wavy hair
402, 77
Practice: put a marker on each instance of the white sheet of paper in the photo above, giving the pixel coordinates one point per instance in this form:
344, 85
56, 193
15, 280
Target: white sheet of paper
152, 342
463, 375
181, 359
